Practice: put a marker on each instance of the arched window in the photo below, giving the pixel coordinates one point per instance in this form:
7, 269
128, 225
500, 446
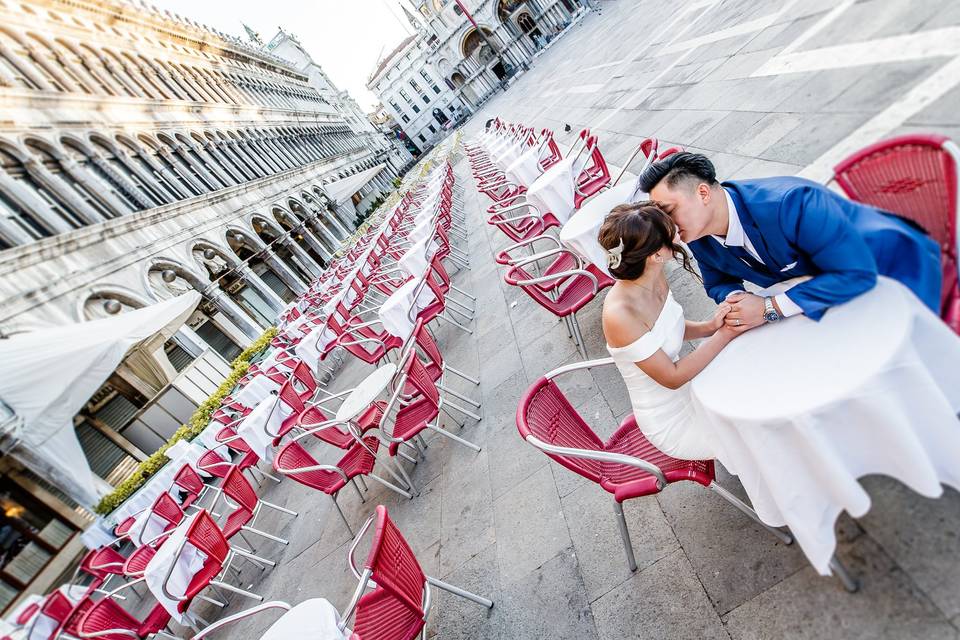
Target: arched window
110, 185
53, 198
196, 185
26, 221
105, 150
196, 160
13, 59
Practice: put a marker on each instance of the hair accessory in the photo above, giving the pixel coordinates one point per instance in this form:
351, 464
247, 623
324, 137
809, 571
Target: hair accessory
615, 255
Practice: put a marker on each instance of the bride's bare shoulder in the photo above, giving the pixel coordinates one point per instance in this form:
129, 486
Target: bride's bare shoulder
623, 321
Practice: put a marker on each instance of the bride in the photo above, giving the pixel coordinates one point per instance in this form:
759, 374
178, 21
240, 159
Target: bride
645, 329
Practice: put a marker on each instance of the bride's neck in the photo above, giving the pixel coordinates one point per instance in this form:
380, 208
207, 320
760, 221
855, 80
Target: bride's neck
651, 280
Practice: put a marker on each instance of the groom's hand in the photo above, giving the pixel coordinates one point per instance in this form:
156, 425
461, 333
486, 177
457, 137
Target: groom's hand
746, 311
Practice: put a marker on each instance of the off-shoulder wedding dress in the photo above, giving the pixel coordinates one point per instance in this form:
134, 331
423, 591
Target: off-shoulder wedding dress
665, 416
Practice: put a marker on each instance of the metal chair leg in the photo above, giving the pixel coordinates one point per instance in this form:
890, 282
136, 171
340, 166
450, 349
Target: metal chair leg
785, 537
353, 483
457, 591
624, 535
851, 584
342, 517
581, 345
456, 438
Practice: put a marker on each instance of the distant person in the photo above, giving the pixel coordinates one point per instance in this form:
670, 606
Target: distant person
818, 248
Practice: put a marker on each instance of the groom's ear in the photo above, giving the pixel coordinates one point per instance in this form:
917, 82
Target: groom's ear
705, 192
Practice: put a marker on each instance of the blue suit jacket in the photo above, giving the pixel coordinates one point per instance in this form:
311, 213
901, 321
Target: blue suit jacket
801, 228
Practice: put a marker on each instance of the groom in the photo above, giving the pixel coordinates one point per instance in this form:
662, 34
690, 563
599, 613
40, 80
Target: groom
814, 245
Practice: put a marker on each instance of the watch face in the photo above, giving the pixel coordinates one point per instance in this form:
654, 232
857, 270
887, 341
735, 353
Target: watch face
773, 316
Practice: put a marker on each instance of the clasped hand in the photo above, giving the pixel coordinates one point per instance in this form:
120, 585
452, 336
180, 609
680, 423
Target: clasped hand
745, 311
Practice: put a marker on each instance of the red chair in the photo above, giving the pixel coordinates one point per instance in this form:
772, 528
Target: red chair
204, 534
575, 289
436, 368
107, 620
294, 461
190, 481
627, 465
401, 600
103, 563
648, 149
228, 438
59, 608
238, 489
167, 511
916, 177
593, 177
669, 152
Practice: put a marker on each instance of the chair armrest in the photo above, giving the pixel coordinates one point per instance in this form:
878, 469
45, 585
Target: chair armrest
246, 613
603, 456
519, 262
576, 366
561, 276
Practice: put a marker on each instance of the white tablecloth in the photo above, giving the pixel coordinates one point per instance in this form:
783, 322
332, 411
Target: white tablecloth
310, 348
552, 192
314, 619
581, 231
395, 312
414, 262
258, 388
525, 169
802, 409
262, 425
185, 566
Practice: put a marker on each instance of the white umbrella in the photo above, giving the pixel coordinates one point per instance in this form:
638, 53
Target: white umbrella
50, 374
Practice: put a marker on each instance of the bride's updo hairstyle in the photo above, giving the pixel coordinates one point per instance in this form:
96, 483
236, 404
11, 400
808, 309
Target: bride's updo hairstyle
643, 229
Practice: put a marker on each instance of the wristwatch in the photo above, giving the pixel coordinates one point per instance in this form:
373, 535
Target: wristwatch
770, 313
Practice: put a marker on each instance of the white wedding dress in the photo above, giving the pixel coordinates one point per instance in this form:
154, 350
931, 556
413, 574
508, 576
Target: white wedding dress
665, 416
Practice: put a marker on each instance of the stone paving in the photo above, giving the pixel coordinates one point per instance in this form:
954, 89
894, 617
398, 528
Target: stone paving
540, 541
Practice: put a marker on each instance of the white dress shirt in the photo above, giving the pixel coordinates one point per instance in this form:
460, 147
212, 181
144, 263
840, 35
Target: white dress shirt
736, 237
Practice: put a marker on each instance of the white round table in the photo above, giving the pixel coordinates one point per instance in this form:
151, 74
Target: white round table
581, 231
802, 409
553, 191
313, 619
525, 169
366, 392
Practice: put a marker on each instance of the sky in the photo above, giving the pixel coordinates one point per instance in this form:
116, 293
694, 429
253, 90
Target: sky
345, 37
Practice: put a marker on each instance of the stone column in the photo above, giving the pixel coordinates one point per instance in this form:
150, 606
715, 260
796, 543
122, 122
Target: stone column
321, 229
96, 189
209, 182
185, 174
31, 201
223, 162
214, 166
234, 312
300, 253
314, 242
256, 283
343, 216
285, 273
63, 190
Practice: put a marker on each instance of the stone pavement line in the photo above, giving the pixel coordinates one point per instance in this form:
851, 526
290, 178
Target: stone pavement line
818, 26
689, 46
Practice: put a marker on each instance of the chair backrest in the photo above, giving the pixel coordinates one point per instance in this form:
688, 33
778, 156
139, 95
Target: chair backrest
303, 375
914, 176
105, 615
393, 564
167, 508
427, 344
289, 396
238, 444
103, 562
204, 534
292, 455
56, 606
213, 464
418, 377
236, 487
669, 152
27, 614
188, 479
545, 413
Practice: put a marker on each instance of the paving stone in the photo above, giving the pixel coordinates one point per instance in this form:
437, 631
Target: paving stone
549, 602
530, 525
734, 558
458, 618
665, 600
466, 516
807, 605
596, 536
918, 533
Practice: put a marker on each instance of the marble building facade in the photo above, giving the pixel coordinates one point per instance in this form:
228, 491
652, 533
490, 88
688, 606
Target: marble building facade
449, 66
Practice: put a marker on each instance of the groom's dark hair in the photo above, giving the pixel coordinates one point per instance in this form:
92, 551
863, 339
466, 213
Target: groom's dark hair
677, 168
